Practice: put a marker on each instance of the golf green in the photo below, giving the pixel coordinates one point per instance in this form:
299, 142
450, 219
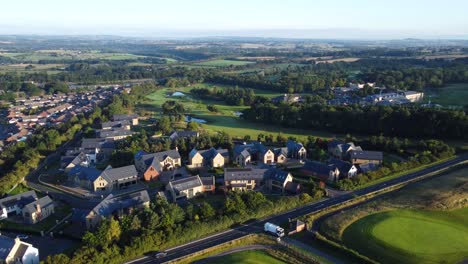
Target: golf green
410, 236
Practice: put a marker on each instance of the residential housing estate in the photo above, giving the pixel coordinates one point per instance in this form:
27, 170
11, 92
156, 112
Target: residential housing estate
28, 206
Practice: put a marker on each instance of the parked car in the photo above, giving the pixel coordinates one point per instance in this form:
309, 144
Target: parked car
161, 254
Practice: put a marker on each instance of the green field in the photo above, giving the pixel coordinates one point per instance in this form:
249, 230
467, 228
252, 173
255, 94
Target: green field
246, 257
223, 63
59, 55
225, 119
21, 68
424, 222
450, 95
408, 236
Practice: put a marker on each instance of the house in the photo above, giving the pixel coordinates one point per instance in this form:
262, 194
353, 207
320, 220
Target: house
340, 149
413, 96
133, 119
69, 162
277, 179
28, 205
321, 170
281, 155
115, 179
123, 124
84, 176
255, 150
38, 210
296, 150
214, 158
365, 157
190, 187
287, 98
183, 134
243, 158
151, 165
116, 206
97, 148
15, 251
346, 169
244, 179
114, 133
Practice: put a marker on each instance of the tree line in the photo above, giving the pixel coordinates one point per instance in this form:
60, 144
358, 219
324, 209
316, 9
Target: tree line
402, 121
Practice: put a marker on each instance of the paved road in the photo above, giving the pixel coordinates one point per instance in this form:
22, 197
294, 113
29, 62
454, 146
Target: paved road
257, 226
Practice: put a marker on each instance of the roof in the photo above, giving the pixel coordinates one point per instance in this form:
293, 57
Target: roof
209, 154
114, 203
123, 117
43, 202
277, 175
115, 132
343, 166
186, 183
85, 173
319, 168
279, 151
231, 174
334, 143
6, 245
207, 180
294, 146
20, 251
367, 155
115, 174
116, 124
154, 159
183, 134
292, 187
21, 199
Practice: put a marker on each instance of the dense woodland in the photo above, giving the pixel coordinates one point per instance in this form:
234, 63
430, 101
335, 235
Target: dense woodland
403, 121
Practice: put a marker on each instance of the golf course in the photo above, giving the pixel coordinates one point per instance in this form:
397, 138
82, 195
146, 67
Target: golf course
246, 257
410, 236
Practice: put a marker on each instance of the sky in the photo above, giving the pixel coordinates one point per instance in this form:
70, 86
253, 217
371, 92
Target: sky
264, 18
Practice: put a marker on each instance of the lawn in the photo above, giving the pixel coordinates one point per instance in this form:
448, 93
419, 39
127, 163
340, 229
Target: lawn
450, 95
223, 63
245, 257
409, 236
225, 119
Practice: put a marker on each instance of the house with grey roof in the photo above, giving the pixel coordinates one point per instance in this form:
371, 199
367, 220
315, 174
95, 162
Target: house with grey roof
187, 188
84, 176
133, 119
151, 165
115, 179
255, 151
28, 205
116, 206
183, 135
123, 124
80, 159
323, 171
114, 133
245, 179
345, 168
365, 157
296, 150
15, 251
214, 158
340, 149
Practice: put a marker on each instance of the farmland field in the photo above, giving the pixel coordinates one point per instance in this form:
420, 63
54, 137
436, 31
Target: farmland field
247, 257
59, 55
426, 222
450, 95
223, 63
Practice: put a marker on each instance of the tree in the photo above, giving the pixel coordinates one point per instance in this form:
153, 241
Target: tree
192, 126
206, 211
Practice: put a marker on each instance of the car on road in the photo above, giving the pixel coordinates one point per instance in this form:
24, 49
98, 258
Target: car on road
23, 237
161, 254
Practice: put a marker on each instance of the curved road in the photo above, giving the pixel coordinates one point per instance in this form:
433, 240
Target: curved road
257, 226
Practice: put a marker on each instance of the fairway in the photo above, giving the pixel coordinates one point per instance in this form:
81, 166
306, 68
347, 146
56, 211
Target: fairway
247, 257
225, 119
409, 236
450, 95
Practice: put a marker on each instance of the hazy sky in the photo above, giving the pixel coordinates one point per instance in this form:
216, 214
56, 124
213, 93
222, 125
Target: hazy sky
147, 17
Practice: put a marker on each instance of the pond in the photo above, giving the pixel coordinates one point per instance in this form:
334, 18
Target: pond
196, 120
178, 94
